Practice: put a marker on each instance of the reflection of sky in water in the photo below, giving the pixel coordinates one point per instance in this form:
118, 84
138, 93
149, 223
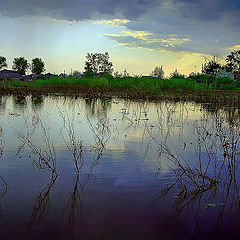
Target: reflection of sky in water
127, 122
129, 173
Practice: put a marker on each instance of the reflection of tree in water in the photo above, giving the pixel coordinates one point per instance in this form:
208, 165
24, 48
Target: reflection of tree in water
4, 184
74, 144
212, 180
97, 107
3, 191
3, 103
20, 102
37, 102
44, 158
231, 113
42, 204
73, 209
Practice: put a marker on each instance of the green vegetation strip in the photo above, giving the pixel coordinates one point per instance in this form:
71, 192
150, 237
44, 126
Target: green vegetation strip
151, 85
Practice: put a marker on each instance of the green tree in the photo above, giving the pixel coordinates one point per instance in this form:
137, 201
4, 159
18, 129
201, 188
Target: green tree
98, 62
20, 64
88, 73
233, 61
2, 62
211, 66
176, 74
157, 72
38, 66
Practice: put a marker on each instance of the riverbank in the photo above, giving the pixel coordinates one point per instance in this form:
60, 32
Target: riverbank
125, 88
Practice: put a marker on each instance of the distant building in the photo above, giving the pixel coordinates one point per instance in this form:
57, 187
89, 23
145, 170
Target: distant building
222, 73
146, 76
48, 75
237, 74
63, 75
30, 77
9, 75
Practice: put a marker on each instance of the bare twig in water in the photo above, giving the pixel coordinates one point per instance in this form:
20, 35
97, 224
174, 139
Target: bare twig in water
46, 157
73, 144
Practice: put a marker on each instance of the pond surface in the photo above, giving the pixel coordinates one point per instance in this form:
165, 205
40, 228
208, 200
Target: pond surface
76, 168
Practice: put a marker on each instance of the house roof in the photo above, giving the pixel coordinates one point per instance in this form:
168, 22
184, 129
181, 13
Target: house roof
8, 71
9, 74
63, 75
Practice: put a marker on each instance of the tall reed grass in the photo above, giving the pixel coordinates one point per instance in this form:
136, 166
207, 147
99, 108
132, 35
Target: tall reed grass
151, 85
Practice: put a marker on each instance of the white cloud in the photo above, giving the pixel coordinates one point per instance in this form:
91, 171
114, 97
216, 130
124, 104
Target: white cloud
144, 39
114, 22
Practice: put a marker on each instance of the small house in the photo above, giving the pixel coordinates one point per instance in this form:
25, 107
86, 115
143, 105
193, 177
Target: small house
30, 77
237, 75
48, 75
63, 75
9, 75
146, 76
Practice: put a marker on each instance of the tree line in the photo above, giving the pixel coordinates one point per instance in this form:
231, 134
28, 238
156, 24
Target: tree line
21, 65
211, 66
98, 63
232, 64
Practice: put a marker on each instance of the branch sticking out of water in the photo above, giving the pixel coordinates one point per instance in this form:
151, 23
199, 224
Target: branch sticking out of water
46, 158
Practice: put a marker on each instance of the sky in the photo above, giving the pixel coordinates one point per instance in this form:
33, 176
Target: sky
137, 34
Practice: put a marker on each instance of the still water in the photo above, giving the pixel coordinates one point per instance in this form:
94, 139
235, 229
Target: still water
74, 168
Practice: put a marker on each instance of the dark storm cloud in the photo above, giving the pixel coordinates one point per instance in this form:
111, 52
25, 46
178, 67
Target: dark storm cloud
212, 26
206, 9
77, 9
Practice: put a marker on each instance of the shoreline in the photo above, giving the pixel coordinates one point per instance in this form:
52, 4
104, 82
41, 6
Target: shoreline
217, 97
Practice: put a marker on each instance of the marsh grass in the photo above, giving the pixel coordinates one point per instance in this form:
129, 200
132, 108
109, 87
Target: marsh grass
216, 145
45, 157
73, 141
152, 85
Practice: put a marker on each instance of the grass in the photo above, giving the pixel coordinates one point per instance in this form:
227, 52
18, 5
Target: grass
204, 89
152, 85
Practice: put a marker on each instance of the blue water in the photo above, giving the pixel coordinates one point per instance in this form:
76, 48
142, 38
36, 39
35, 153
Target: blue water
118, 193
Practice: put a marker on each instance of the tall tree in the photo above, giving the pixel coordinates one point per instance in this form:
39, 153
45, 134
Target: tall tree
3, 62
176, 74
233, 61
157, 72
98, 62
21, 65
88, 73
38, 66
211, 66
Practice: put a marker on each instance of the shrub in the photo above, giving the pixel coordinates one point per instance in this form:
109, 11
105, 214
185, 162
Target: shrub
203, 78
107, 75
237, 82
176, 74
77, 74
225, 83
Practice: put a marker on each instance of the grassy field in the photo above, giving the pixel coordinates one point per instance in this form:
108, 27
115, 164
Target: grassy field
129, 87
152, 85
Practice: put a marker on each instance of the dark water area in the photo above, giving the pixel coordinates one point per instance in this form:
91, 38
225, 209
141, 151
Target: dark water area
74, 168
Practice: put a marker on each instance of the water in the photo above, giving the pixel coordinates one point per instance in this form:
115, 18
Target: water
144, 170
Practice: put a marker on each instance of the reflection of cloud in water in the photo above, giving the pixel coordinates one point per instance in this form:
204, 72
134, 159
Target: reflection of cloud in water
115, 147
